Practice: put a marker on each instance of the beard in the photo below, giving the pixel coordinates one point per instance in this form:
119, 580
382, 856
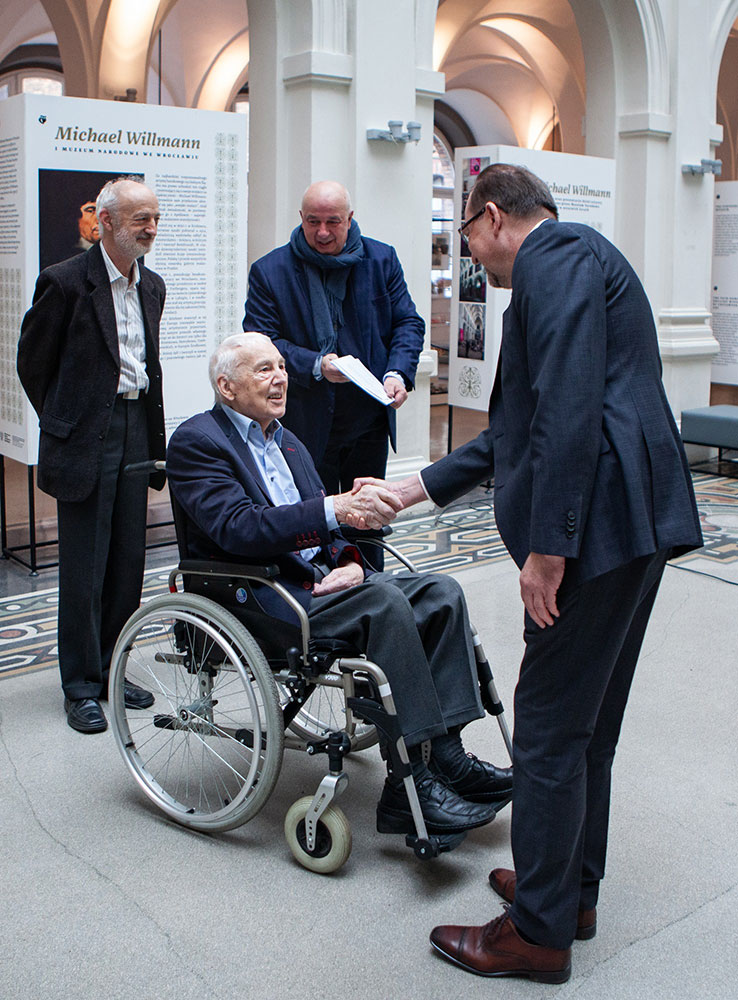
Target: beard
131, 247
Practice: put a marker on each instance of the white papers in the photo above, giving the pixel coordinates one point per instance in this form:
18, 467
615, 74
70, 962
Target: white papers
360, 375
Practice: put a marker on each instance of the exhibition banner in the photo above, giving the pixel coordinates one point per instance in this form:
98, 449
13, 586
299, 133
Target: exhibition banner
584, 190
55, 155
725, 283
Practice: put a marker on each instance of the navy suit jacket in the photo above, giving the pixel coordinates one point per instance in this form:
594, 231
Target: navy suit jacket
391, 332
69, 365
231, 517
587, 460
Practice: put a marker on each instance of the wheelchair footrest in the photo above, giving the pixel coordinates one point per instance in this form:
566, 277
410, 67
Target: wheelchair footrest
425, 849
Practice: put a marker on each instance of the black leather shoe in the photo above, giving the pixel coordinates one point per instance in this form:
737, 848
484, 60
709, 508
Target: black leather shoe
85, 715
473, 779
443, 810
135, 696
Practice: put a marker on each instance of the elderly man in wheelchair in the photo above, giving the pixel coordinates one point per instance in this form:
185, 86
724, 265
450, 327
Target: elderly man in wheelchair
398, 647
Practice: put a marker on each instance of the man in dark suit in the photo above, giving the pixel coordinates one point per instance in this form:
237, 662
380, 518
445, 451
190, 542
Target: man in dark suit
592, 496
330, 292
88, 358
249, 489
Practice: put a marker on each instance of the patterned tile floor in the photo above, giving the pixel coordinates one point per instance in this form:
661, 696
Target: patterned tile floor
448, 541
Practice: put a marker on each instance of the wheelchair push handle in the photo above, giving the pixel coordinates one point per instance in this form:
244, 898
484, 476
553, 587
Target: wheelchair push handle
144, 468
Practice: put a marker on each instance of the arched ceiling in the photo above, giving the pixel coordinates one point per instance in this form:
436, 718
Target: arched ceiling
524, 57
513, 68
727, 108
107, 46
205, 52
23, 22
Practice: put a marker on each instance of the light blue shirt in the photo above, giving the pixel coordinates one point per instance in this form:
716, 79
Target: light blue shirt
272, 465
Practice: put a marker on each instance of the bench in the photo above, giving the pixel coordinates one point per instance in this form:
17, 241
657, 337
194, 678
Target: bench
713, 426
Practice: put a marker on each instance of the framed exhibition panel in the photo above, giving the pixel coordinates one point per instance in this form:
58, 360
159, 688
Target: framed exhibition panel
55, 155
584, 190
725, 283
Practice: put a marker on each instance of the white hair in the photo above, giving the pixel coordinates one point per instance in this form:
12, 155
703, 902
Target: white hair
108, 197
224, 359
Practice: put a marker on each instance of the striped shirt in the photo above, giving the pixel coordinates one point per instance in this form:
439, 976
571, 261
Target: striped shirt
129, 321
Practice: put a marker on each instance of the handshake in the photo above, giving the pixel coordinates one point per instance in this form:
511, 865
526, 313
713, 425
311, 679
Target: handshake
371, 503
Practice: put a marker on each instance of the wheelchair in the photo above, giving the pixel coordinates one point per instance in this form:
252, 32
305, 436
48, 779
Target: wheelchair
230, 694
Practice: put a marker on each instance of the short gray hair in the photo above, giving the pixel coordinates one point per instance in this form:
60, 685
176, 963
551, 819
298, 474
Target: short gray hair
514, 189
108, 197
224, 359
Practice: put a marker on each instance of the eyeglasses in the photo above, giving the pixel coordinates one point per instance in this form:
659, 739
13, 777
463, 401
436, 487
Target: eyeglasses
468, 222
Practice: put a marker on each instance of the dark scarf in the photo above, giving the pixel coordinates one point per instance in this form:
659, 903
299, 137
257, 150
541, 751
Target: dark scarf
327, 276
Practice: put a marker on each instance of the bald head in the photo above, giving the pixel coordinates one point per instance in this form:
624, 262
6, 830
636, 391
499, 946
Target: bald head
326, 216
326, 193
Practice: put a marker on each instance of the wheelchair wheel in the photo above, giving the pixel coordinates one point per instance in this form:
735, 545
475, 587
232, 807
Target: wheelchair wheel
209, 750
333, 841
323, 713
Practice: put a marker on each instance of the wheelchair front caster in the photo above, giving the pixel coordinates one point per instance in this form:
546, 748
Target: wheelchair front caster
333, 842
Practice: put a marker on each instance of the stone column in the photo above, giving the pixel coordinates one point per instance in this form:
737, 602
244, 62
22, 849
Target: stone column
322, 73
665, 214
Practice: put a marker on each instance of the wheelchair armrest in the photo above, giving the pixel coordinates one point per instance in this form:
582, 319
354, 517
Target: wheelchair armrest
144, 468
206, 567
367, 534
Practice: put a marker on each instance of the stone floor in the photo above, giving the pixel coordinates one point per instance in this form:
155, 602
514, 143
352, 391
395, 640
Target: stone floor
104, 897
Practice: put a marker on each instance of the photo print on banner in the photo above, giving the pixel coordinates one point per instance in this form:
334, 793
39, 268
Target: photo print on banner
67, 222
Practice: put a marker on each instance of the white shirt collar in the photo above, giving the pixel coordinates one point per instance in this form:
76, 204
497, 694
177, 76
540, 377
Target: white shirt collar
113, 272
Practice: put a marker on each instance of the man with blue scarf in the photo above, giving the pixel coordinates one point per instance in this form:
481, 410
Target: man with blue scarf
330, 292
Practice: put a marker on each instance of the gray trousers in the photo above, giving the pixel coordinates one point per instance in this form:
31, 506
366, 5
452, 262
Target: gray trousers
416, 628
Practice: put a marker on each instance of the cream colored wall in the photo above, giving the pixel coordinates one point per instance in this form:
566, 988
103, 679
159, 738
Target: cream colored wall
633, 79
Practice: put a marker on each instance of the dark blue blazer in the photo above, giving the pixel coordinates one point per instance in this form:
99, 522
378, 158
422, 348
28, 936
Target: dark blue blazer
586, 457
390, 331
231, 517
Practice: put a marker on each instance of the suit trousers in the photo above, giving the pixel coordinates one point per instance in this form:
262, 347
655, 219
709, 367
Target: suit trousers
358, 445
416, 628
102, 549
569, 703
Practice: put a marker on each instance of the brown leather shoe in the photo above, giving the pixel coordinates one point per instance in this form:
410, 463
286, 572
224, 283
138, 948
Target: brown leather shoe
496, 949
502, 881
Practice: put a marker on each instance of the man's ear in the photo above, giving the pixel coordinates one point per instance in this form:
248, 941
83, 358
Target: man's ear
224, 387
105, 220
495, 215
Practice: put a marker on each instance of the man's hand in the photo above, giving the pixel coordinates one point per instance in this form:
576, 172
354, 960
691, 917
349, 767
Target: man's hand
395, 388
540, 579
407, 491
371, 506
329, 371
340, 578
